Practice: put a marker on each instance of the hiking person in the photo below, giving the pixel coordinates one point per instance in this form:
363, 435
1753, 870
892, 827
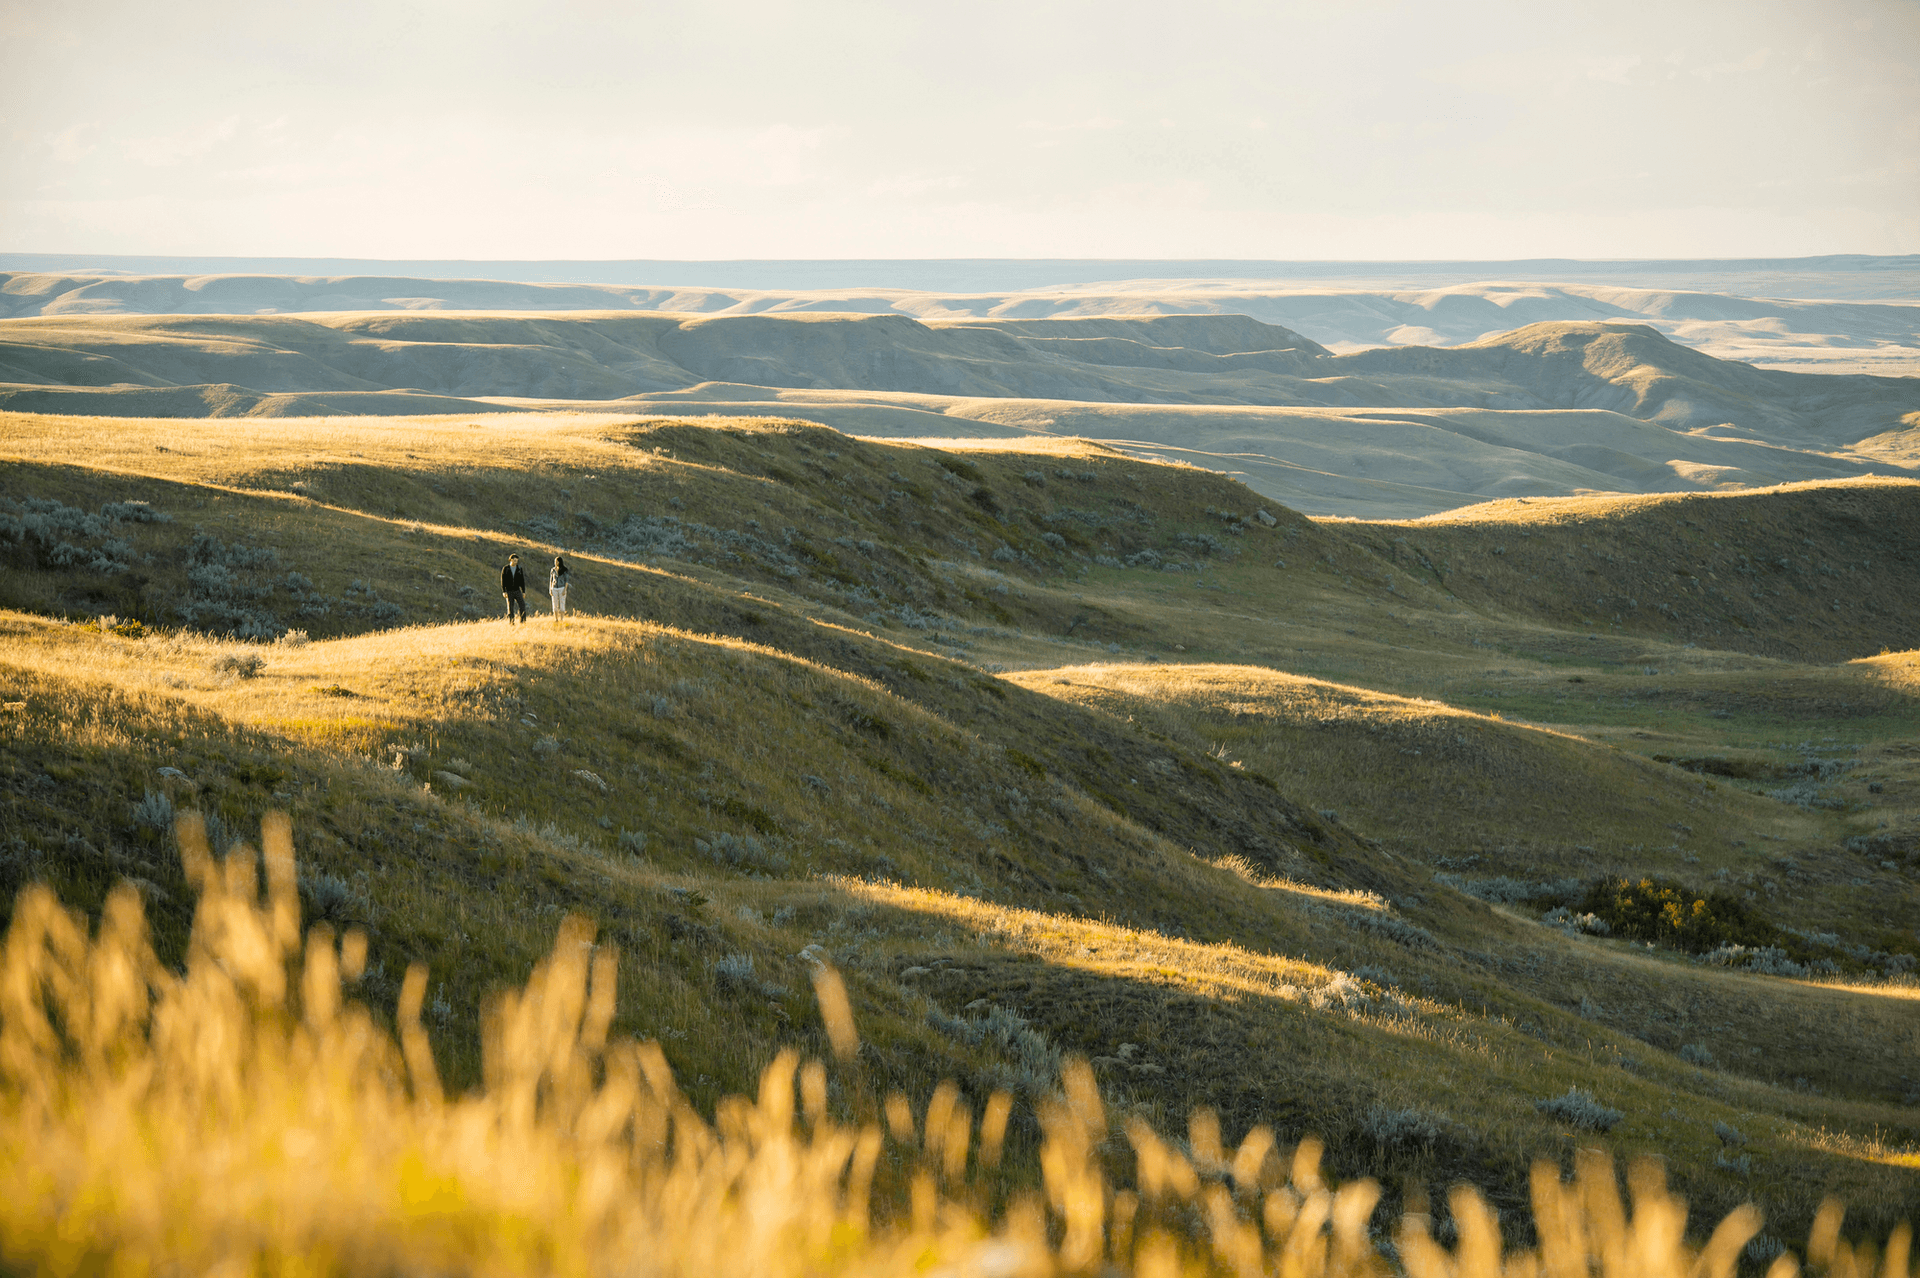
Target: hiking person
513, 584
557, 578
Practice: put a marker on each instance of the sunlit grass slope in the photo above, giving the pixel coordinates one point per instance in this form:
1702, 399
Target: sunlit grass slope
731, 771
133, 1093
1429, 776
622, 749
1813, 572
964, 528
1440, 783
843, 694
876, 528
1463, 792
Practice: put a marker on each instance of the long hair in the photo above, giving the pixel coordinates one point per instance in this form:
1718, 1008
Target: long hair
561, 564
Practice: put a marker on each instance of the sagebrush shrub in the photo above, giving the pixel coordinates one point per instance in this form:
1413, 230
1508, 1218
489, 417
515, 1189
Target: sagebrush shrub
735, 972
1400, 1129
1393, 928
1504, 890
330, 898
55, 535
241, 665
1580, 1108
742, 852
154, 812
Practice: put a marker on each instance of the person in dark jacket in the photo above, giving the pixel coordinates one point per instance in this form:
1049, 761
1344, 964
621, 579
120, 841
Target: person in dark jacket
513, 584
559, 577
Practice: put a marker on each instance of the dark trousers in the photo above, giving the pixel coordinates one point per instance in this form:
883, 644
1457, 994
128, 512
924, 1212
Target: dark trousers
516, 602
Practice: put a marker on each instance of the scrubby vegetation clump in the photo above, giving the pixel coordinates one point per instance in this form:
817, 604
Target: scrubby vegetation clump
1668, 913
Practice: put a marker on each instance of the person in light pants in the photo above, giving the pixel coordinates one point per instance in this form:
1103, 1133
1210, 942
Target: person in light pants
557, 578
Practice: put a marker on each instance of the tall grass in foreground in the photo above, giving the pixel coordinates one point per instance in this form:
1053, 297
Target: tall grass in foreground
243, 1117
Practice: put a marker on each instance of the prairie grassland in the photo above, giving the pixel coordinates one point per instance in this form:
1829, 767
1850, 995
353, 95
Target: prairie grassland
1207, 863
134, 1093
387, 531
624, 749
646, 710
1431, 777
1810, 571
464, 839
1457, 788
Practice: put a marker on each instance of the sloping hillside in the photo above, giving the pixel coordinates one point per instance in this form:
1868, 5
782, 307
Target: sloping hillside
923, 540
1632, 369
1808, 572
903, 535
464, 851
931, 709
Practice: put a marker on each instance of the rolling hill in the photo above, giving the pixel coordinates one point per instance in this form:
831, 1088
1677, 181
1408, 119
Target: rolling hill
1547, 409
1831, 315
1323, 825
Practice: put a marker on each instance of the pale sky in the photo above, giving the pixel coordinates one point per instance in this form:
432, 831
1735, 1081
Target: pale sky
829, 129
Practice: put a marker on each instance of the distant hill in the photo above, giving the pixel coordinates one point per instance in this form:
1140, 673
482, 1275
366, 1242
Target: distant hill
1859, 315
1632, 369
1548, 409
1849, 275
602, 356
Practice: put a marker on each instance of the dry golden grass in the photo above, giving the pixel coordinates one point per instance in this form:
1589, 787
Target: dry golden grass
1899, 669
231, 451
241, 1115
1308, 1021
1469, 1051
419, 508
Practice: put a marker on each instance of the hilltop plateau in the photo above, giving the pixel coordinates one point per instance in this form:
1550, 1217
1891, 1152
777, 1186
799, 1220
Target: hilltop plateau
1360, 828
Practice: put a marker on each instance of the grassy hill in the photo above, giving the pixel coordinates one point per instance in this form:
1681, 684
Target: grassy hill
1057, 753
1805, 571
